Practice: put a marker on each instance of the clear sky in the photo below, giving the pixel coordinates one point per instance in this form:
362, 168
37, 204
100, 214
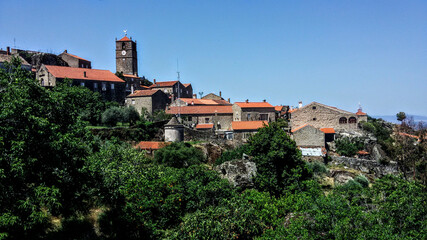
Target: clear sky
338, 53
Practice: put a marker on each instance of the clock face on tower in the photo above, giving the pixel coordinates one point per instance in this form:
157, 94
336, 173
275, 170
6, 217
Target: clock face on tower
123, 52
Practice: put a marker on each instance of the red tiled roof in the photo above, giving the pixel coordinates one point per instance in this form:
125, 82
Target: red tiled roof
278, 108
151, 145
360, 113
145, 87
130, 76
201, 109
197, 101
300, 127
328, 130
248, 125
186, 84
78, 73
143, 93
75, 56
164, 84
362, 152
254, 104
124, 39
204, 126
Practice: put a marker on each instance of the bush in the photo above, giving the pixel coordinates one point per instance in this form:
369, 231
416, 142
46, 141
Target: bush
233, 154
130, 115
362, 180
317, 168
179, 155
347, 147
112, 116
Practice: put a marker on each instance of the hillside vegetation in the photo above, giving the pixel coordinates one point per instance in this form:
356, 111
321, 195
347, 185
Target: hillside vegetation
59, 181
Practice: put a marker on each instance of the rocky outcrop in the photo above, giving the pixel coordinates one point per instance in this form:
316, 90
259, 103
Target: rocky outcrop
240, 173
211, 151
341, 177
367, 166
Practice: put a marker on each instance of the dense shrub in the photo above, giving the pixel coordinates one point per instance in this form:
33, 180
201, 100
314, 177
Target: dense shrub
179, 155
233, 154
348, 147
112, 116
362, 180
317, 168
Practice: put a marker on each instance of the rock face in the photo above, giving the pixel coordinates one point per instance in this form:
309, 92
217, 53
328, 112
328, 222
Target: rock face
367, 166
341, 177
239, 173
211, 151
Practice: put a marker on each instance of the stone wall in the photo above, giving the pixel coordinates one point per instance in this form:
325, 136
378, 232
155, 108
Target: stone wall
224, 120
367, 166
252, 114
309, 137
323, 117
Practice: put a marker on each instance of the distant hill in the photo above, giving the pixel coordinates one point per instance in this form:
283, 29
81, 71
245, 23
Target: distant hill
392, 118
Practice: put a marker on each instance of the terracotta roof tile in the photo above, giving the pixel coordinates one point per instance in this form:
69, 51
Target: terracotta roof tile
186, 84
204, 126
299, 128
78, 73
248, 125
143, 93
163, 84
328, 130
75, 56
360, 113
130, 76
151, 145
197, 101
363, 152
254, 105
201, 109
278, 108
124, 39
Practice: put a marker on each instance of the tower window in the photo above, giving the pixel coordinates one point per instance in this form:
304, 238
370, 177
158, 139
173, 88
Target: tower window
314, 119
343, 120
314, 107
352, 120
123, 45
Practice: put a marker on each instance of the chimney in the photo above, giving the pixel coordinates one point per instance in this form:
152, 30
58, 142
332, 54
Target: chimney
192, 103
65, 51
84, 74
300, 104
247, 100
220, 93
194, 96
154, 81
8, 51
264, 100
229, 100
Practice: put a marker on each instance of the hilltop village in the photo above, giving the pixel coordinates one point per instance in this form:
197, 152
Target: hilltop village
312, 126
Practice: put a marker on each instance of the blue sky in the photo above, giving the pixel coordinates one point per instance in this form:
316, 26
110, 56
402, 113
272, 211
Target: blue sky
338, 53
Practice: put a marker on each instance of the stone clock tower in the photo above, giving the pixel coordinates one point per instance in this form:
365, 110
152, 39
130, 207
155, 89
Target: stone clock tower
126, 57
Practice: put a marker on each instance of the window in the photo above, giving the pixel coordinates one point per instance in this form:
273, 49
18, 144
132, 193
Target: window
82, 84
123, 45
112, 86
104, 86
206, 120
352, 120
263, 117
133, 101
314, 107
249, 116
314, 119
95, 86
190, 118
343, 120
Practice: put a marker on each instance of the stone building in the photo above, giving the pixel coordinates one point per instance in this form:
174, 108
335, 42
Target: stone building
151, 100
127, 63
322, 116
198, 102
213, 96
105, 82
217, 115
6, 56
253, 111
311, 142
174, 131
150, 146
243, 130
174, 89
75, 61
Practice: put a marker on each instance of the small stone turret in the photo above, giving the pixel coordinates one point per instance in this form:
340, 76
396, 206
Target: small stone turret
174, 131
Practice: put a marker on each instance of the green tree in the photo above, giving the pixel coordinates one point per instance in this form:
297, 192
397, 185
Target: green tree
401, 116
43, 149
279, 162
112, 116
179, 155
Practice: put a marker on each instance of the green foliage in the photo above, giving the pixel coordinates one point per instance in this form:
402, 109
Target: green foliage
179, 155
233, 154
43, 149
130, 115
400, 116
279, 162
348, 147
317, 168
362, 180
112, 116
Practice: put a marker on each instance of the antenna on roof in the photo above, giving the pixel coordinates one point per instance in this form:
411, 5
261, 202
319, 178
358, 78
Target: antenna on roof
201, 94
179, 96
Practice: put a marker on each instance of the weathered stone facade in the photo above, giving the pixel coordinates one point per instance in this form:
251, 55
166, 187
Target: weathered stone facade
105, 82
245, 111
174, 131
309, 136
151, 100
75, 61
323, 116
126, 56
174, 89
